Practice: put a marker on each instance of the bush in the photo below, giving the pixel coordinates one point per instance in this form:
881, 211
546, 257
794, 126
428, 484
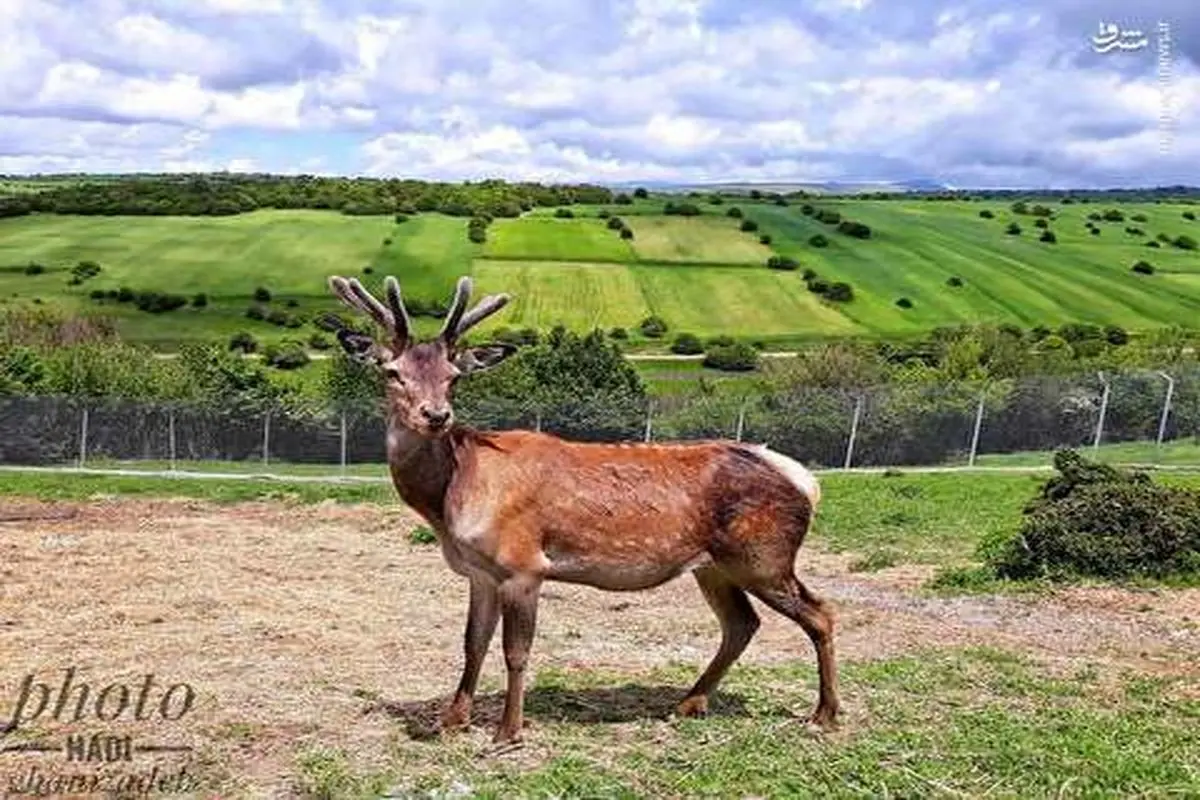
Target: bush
159, 302
738, 357
476, 235
640, 193
618, 333
780, 201
716, 199
84, 270
1138, 217
256, 312
34, 269
1116, 335
1152, 243
199, 300
262, 295
1132, 231
1095, 520
615, 223
818, 285
653, 327
401, 219
840, 292
1191, 215
290, 355
828, 217
1013, 229
855, 229
387, 241
623, 200
1184, 242
904, 302
564, 213
818, 240
765, 239
748, 226
368, 270
1143, 268
1112, 215
244, 341
1041, 223
681, 209
986, 214
1048, 237
809, 274
724, 340
98, 294
1096, 232
319, 341
125, 295
604, 213
687, 344
734, 212
807, 210
782, 262
954, 281
626, 233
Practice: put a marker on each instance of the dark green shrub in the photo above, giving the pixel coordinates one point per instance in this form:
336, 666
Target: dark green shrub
243, 341
256, 312
764, 239
618, 333
1048, 237
564, 213
855, 229
1184, 242
401, 219
1013, 229
904, 302
1186, 215
840, 292
319, 341
954, 281
1095, 520
807, 210
1143, 268
724, 340
818, 285
653, 327
716, 199
782, 262
986, 214
604, 213
738, 357
1041, 223
626, 233
34, 269
1138, 217
828, 217
1112, 215
615, 223
818, 240
1116, 335
734, 212
368, 270
623, 200
687, 344
640, 193
1152, 243
748, 226
98, 294
262, 294
199, 300
290, 355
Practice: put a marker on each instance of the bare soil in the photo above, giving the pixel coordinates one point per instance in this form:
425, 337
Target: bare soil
293, 623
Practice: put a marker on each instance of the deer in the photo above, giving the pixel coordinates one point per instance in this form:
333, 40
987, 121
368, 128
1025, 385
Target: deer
514, 509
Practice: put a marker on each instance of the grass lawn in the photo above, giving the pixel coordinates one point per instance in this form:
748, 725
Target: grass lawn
696, 240
550, 239
1178, 453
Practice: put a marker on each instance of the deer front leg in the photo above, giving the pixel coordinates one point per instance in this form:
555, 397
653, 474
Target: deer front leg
482, 615
518, 603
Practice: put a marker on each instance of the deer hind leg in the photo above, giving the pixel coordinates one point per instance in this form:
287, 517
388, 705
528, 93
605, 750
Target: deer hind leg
789, 597
738, 625
518, 605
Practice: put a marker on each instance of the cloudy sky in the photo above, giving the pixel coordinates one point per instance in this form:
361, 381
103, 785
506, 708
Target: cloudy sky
968, 93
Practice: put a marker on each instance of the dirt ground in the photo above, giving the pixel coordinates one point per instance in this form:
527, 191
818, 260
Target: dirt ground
290, 622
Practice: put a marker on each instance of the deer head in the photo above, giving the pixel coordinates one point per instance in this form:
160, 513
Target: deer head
420, 376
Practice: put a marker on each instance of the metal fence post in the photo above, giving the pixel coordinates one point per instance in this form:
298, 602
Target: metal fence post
171, 436
1103, 411
853, 432
741, 422
1166, 411
975, 433
342, 446
649, 420
83, 431
266, 454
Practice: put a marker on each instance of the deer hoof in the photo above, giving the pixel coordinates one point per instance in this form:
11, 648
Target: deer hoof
455, 718
694, 706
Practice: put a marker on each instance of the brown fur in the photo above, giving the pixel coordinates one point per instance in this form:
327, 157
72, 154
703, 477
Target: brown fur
512, 510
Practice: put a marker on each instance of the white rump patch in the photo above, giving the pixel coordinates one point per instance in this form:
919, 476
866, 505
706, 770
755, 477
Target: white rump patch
794, 471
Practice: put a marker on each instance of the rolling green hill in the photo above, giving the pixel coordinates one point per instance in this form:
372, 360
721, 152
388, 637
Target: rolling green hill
702, 274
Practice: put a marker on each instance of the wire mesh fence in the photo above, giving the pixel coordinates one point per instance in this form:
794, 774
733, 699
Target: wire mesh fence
1135, 417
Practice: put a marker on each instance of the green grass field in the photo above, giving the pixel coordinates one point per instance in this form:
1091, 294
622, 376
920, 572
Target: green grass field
701, 274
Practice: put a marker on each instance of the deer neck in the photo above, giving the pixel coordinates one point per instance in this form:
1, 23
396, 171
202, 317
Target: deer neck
422, 469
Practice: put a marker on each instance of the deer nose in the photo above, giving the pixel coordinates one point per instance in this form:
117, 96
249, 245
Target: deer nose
436, 417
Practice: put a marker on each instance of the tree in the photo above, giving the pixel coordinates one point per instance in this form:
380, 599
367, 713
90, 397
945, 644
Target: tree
653, 327
640, 193
986, 213
840, 292
734, 212
782, 262
748, 226
243, 341
1048, 237
737, 357
1143, 268
764, 238
904, 302
623, 200
855, 229
818, 240
1013, 229
626, 233
200, 300
687, 344
262, 294
564, 213
954, 281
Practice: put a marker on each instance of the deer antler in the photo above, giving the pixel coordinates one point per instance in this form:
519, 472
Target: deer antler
458, 322
395, 320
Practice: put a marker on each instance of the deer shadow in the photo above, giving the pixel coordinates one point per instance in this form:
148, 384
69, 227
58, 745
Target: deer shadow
613, 704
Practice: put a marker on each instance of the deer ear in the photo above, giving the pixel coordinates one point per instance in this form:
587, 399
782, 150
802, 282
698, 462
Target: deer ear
483, 356
361, 348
